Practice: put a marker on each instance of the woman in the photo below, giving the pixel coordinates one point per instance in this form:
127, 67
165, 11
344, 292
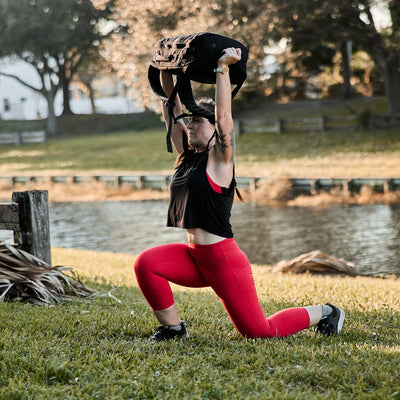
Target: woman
202, 192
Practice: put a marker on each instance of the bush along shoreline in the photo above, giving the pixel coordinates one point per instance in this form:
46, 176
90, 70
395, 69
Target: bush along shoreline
283, 192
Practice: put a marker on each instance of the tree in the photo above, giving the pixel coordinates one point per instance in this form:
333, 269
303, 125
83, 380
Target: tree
257, 23
341, 21
91, 68
315, 31
54, 36
147, 22
152, 20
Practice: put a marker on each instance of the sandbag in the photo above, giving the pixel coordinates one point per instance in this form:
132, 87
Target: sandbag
193, 58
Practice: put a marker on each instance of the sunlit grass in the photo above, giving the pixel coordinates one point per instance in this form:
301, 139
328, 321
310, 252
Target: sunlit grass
99, 348
320, 155
123, 151
272, 147
141, 146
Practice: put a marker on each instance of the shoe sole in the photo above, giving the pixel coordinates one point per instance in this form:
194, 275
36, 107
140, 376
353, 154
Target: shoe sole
341, 320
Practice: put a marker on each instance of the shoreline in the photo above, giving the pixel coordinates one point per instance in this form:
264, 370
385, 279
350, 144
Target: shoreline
277, 194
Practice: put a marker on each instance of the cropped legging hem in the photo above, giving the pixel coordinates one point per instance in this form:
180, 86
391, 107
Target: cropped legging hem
224, 268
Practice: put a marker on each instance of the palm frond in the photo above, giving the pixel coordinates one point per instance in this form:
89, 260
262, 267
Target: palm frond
316, 262
25, 277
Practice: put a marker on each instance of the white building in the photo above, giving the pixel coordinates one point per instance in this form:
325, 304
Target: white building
17, 101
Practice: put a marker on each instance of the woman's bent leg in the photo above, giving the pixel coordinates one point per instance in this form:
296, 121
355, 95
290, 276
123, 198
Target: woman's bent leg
168, 317
228, 271
156, 267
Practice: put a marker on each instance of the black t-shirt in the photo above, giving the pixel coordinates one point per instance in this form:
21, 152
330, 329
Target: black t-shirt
194, 203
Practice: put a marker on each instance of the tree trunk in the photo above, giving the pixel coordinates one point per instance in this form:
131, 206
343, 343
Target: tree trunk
91, 96
347, 90
52, 122
392, 85
66, 99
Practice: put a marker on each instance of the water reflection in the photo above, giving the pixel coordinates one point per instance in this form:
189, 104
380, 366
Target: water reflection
366, 235
127, 227
369, 236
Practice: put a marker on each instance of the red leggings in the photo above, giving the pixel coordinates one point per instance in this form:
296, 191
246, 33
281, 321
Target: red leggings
225, 268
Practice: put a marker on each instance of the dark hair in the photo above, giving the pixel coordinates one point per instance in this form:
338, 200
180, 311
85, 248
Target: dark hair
209, 105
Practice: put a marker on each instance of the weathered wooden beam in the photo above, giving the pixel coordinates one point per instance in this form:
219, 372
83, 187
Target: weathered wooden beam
9, 219
34, 225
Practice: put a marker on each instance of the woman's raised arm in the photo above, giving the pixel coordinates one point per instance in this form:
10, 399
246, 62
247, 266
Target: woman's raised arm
178, 129
225, 139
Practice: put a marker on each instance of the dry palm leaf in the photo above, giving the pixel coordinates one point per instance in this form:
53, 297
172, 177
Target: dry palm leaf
316, 262
24, 277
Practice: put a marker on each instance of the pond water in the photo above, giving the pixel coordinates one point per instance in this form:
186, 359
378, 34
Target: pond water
368, 236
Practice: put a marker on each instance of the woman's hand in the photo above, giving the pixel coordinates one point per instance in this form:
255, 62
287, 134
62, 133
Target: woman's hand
230, 56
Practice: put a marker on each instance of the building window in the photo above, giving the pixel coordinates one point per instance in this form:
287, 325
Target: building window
7, 106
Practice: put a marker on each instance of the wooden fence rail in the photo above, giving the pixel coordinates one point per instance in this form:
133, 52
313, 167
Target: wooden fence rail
315, 186
379, 121
315, 124
18, 138
318, 124
28, 217
161, 182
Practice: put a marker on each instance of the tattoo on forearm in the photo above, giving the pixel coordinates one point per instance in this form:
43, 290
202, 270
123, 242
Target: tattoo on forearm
221, 139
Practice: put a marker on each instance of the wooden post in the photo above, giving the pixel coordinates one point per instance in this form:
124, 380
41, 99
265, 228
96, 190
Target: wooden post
322, 123
279, 126
34, 226
18, 138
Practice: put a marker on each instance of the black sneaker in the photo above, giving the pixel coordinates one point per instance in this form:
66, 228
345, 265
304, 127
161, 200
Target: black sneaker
333, 323
166, 333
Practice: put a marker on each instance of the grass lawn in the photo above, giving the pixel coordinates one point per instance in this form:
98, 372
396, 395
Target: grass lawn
97, 349
360, 154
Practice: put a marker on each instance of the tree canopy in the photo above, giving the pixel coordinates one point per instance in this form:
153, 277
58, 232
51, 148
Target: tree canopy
314, 32
54, 36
